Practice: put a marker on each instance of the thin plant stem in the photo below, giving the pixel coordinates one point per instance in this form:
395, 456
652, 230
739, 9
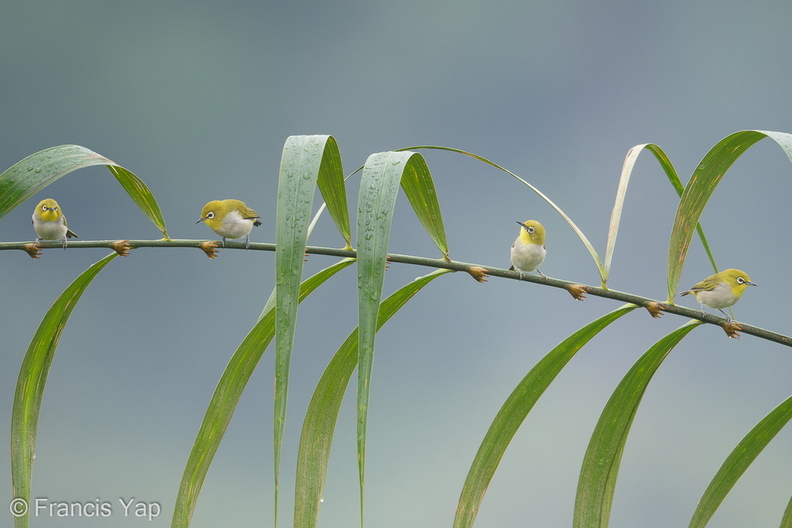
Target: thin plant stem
473, 269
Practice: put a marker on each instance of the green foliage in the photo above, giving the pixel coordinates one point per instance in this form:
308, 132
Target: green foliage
516, 408
621, 193
786, 521
309, 162
379, 185
320, 419
33, 379
579, 232
603, 456
306, 160
225, 398
700, 188
38, 170
738, 461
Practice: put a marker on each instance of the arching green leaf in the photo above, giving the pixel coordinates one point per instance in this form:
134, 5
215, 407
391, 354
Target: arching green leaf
700, 188
304, 160
513, 413
603, 456
575, 228
225, 398
320, 418
331, 185
738, 461
379, 186
33, 379
786, 520
38, 170
420, 190
383, 173
629, 163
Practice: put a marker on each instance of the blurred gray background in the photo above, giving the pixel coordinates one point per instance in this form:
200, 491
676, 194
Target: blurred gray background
197, 98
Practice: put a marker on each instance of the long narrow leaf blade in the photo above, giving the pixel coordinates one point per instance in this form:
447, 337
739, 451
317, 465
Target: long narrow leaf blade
379, 186
33, 379
332, 187
38, 170
618, 206
738, 461
320, 418
786, 520
627, 167
673, 177
299, 171
602, 459
588, 245
514, 411
700, 188
141, 195
225, 399
420, 190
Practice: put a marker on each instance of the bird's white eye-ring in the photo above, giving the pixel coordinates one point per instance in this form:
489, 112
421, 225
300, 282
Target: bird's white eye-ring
44, 207
210, 215
531, 229
740, 280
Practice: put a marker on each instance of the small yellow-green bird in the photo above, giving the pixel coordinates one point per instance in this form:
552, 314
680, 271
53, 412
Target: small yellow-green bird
230, 219
49, 222
528, 251
721, 290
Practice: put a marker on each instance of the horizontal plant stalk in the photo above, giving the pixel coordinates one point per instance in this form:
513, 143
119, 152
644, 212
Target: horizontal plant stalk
639, 300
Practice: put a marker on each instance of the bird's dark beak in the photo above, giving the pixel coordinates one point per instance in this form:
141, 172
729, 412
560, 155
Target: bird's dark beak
753, 284
200, 220
522, 224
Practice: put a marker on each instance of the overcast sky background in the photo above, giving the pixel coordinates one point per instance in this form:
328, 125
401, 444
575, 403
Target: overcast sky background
197, 98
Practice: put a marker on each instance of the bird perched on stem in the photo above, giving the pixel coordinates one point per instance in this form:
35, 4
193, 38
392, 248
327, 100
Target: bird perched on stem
528, 251
49, 222
230, 219
721, 290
